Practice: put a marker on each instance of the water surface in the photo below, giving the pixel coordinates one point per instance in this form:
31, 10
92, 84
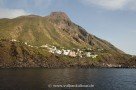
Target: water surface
36, 79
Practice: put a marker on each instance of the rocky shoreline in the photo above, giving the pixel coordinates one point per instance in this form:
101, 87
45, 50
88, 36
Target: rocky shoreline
73, 67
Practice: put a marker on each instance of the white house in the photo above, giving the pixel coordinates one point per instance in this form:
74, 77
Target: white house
52, 50
94, 56
13, 40
72, 54
30, 46
25, 43
44, 46
58, 51
66, 52
88, 54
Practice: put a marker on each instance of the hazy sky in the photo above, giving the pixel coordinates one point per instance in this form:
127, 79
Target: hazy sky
112, 20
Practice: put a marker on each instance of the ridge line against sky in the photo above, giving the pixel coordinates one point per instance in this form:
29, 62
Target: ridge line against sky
112, 20
112, 5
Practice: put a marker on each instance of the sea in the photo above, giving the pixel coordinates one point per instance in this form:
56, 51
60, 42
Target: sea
68, 79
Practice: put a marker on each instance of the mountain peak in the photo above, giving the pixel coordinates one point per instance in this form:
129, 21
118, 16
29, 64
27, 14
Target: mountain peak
62, 15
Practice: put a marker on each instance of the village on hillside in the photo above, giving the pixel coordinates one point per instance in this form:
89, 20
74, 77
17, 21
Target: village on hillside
67, 52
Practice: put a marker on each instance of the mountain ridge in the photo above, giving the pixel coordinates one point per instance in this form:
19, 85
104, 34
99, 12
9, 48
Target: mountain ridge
57, 30
61, 25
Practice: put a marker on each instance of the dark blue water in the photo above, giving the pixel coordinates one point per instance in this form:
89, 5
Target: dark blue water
43, 79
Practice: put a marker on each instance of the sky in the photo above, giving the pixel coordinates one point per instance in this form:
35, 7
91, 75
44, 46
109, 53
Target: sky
112, 20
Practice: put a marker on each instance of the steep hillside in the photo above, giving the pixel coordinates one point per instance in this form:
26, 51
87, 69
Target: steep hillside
22, 37
56, 29
17, 54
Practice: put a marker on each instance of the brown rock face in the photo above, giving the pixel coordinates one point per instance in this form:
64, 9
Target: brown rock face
59, 15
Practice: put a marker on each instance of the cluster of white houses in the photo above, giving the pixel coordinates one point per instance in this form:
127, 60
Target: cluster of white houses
66, 52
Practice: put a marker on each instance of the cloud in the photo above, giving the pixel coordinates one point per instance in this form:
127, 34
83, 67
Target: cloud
17, 7
112, 4
31, 4
11, 13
